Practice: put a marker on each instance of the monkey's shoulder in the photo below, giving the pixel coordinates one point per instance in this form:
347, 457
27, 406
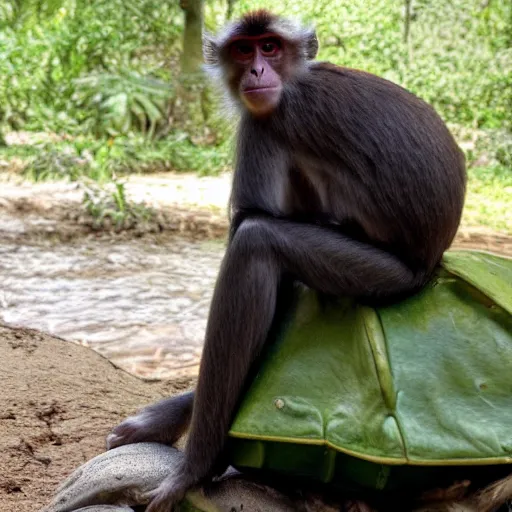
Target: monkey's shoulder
339, 74
341, 87
344, 103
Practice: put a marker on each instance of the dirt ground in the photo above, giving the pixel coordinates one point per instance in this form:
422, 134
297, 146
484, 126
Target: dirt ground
185, 204
58, 401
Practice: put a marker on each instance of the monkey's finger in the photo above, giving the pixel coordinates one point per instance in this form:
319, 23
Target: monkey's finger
130, 431
122, 476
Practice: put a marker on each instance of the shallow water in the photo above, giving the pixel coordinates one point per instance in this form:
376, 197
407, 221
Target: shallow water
142, 303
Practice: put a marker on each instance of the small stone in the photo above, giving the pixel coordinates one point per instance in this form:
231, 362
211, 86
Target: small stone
279, 403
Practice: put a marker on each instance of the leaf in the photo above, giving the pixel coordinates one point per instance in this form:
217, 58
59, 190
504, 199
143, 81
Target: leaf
150, 108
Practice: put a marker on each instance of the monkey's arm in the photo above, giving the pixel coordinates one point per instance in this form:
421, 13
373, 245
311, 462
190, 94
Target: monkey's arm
261, 180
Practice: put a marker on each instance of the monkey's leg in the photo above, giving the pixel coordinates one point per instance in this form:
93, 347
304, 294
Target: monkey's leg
163, 422
328, 261
261, 252
240, 317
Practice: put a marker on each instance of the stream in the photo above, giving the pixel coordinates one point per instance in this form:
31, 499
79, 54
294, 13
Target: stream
142, 303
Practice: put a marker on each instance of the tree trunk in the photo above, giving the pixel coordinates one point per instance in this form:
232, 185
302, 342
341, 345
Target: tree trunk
229, 11
407, 28
192, 56
190, 109
407, 21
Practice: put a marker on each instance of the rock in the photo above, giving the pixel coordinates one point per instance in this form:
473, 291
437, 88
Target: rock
125, 475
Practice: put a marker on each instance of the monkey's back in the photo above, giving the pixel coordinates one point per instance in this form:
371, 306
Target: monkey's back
386, 152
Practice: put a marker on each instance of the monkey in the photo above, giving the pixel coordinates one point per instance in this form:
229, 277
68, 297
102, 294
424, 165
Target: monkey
344, 182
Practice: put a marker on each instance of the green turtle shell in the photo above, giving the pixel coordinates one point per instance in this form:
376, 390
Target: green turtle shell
386, 397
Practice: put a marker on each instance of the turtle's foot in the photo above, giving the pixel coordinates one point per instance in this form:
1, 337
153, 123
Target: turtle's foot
164, 422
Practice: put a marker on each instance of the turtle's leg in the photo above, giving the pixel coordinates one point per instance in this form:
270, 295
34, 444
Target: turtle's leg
163, 422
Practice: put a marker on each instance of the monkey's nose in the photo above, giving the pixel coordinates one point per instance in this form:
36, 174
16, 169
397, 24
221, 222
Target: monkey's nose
255, 72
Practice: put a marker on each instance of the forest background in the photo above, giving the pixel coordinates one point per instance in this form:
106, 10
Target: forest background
97, 89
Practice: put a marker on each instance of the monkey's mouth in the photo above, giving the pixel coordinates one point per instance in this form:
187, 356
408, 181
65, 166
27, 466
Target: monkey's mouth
260, 89
261, 100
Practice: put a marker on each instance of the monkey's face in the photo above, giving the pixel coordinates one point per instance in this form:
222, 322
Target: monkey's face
258, 65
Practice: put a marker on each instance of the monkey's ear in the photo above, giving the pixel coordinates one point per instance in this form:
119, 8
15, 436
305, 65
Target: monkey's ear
311, 44
211, 49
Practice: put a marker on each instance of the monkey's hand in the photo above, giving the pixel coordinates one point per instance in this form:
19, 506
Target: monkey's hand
164, 422
172, 490
140, 428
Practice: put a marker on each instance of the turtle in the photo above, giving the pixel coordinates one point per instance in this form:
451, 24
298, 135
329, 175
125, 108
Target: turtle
392, 399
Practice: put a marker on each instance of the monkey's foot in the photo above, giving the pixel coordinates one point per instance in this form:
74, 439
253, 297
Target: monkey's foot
132, 430
144, 427
173, 489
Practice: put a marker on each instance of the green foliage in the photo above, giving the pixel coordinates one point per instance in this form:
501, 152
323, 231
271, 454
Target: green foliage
104, 159
176, 153
124, 103
45, 49
109, 208
68, 160
492, 147
488, 197
59, 58
52, 164
503, 151
106, 74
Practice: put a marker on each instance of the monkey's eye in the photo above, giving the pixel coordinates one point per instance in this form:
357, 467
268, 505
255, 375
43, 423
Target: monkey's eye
270, 47
242, 50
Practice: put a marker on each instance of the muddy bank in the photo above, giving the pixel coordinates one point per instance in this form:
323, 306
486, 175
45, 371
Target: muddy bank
184, 204
181, 204
58, 402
